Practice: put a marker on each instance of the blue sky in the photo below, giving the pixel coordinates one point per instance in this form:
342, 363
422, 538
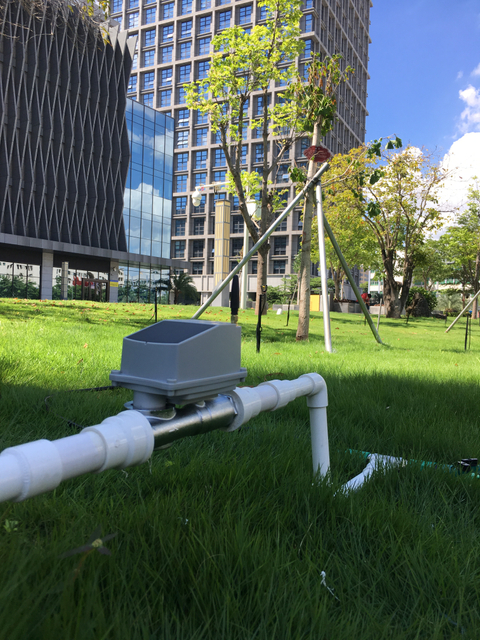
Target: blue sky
423, 54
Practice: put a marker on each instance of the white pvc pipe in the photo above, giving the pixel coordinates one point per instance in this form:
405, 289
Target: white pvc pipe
128, 439
375, 462
36, 467
272, 395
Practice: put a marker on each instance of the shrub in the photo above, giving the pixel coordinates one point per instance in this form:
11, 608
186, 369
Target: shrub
429, 296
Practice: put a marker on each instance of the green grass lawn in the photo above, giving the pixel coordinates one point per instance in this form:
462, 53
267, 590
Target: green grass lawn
226, 535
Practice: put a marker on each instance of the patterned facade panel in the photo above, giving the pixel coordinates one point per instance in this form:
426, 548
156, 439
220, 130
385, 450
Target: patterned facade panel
64, 149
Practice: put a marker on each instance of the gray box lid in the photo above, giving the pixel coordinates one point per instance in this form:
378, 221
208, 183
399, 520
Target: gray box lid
182, 360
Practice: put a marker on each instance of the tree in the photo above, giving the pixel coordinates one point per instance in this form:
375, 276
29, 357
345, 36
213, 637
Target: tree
244, 65
461, 245
431, 263
317, 99
401, 208
355, 237
183, 288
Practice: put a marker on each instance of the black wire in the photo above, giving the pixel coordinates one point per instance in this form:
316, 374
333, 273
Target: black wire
71, 423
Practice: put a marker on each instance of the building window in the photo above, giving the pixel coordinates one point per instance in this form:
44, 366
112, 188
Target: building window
254, 264
133, 4
309, 23
150, 15
181, 183
205, 24
204, 4
198, 226
147, 99
200, 159
202, 118
132, 84
186, 29
197, 249
307, 52
219, 158
280, 246
245, 14
149, 58
167, 10
237, 224
184, 73
219, 176
179, 227
179, 249
204, 46
279, 266
197, 268
182, 162
203, 68
148, 80
236, 247
166, 98
243, 159
167, 33
166, 54
183, 117
221, 3
224, 18
132, 19
200, 179
186, 7
180, 205
185, 50
182, 95
201, 137
166, 76
149, 37
258, 149
282, 173
182, 139
116, 6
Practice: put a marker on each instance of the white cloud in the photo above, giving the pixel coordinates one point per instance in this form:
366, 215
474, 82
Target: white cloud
470, 116
476, 71
462, 162
459, 75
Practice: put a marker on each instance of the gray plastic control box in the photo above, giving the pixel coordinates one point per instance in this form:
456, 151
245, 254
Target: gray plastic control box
182, 360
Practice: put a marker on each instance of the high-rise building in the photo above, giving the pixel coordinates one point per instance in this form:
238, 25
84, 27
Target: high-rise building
174, 45
85, 173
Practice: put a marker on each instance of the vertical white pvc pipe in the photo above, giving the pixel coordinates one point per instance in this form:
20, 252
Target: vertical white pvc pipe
323, 270
319, 434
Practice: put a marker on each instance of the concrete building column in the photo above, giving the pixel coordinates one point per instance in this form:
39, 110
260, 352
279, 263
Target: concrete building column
113, 278
64, 284
221, 254
46, 275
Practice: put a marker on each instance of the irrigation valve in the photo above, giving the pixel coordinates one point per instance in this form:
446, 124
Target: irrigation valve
174, 362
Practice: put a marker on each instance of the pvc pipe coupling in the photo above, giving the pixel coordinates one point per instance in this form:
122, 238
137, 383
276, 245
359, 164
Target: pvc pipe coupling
36, 467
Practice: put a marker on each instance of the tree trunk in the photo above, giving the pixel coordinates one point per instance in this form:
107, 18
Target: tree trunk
262, 264
305, 256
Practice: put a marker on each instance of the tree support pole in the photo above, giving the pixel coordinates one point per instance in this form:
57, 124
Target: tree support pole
323, 270
351, 280
463, 311
262, 240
